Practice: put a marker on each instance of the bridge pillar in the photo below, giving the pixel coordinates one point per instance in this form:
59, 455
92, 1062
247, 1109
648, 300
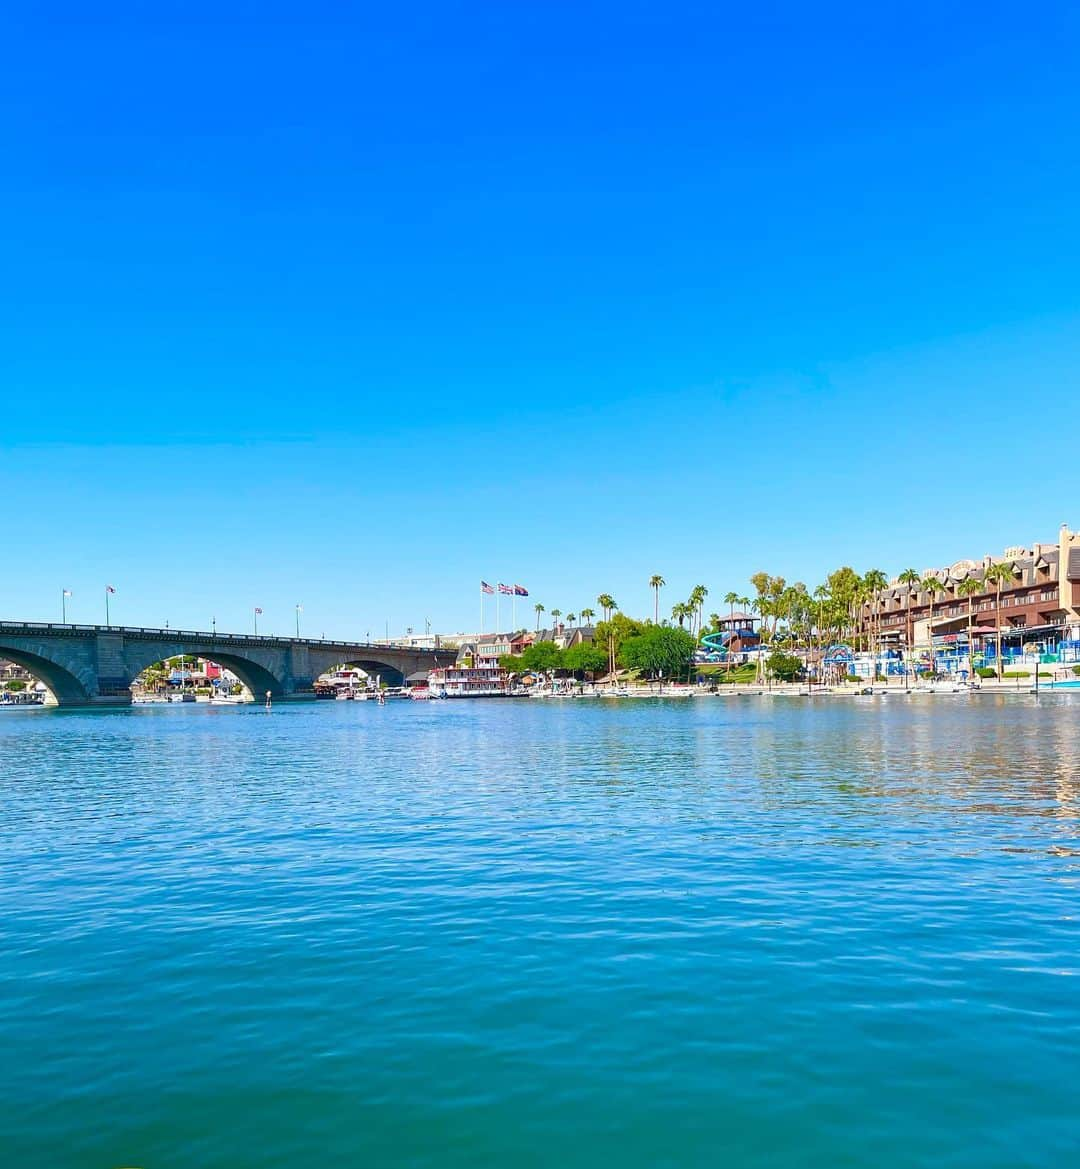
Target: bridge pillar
113, 680
299, 678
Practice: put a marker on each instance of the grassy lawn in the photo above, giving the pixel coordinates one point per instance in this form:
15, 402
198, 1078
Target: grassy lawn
722, 675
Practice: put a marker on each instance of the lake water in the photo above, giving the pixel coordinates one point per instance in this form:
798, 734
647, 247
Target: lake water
719, 932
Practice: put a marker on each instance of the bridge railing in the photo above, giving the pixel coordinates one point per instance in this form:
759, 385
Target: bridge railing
201, 635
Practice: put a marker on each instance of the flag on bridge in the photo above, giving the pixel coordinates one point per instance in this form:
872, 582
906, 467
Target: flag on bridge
486, 588
108, 589
520, 591
506, 590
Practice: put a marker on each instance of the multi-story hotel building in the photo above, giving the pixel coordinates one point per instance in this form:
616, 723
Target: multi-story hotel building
1040, 602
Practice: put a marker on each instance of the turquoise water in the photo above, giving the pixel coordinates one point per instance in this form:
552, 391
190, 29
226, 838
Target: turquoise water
737, 932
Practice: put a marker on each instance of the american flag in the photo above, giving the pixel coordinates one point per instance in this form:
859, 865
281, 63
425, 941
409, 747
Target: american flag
506, 590
520, 591
258, 610
486, 588
109, 589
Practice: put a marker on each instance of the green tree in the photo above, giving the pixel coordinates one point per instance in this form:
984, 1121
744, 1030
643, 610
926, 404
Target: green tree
656, 583
539, 609
611, 634
584, 659
658, 650
785, 667
542, 657
555, 615
587, 615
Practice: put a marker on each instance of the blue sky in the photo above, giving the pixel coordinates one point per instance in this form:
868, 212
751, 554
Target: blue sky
354, 305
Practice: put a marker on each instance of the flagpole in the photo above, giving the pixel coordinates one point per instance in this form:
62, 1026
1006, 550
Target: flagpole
106, 606
498, 597
481, 607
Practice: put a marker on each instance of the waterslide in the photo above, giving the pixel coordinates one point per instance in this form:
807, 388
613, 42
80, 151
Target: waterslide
714, 646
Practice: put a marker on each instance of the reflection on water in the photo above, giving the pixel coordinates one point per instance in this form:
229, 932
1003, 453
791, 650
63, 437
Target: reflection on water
729, 931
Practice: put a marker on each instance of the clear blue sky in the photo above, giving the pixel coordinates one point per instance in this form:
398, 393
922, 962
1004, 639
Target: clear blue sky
354, 305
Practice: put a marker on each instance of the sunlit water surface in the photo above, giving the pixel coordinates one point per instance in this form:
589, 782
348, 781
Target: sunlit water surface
720, 932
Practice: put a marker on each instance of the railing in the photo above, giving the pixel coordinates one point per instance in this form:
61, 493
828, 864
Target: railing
203, 637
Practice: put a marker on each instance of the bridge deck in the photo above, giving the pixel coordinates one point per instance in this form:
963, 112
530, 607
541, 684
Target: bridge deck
55, 629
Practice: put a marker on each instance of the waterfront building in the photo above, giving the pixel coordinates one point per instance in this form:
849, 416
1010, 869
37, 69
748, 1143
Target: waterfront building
1039, 610
564, 636
462, 681
488, 649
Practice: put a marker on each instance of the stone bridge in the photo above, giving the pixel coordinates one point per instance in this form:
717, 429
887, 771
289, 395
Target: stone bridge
95, 665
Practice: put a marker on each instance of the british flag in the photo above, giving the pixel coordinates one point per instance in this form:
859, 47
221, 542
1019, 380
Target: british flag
506, 590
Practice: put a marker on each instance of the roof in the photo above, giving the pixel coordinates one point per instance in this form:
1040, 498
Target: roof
419, 676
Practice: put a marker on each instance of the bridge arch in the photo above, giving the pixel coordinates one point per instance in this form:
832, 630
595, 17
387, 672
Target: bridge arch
66, 687
391, 675
257, 677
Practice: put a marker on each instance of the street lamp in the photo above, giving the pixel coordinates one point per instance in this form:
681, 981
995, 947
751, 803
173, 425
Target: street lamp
299, 610
213, 625
64, 594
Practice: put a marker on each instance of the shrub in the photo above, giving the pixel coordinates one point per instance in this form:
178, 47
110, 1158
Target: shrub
1076, 671
1017, 673
986, 671
854, 678
784, 666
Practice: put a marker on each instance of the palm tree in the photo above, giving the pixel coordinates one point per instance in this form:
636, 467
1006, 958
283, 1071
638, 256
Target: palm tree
696, 602
607, 602
874, 581
731, 600
555, 615
910, 578
587, 615
656, 583
570, 618
931, 585
997, 575
680, 611
970, 587
539, 609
